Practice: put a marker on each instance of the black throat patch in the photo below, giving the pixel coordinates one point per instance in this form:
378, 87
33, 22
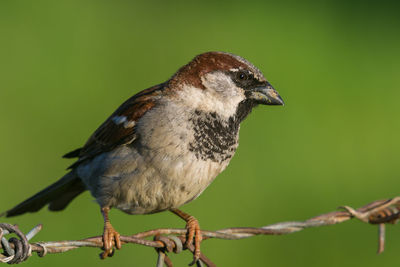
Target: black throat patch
216, 138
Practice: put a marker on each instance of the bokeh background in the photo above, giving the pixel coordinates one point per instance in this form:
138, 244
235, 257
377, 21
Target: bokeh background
66, 65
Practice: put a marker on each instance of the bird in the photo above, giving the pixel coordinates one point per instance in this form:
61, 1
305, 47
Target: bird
163, 146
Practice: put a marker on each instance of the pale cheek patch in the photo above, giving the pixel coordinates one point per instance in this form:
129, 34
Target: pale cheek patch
223, 85
219, 82
221, 95
118, 120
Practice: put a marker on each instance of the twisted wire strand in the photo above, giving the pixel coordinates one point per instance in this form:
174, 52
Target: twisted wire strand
165, 241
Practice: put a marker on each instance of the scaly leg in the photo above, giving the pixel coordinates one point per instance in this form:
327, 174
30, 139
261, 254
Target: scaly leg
193, 231
110, 236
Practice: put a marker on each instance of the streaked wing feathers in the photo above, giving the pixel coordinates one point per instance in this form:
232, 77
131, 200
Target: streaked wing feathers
119, 128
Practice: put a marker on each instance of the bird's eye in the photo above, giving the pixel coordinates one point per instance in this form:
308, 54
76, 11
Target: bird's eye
243, 76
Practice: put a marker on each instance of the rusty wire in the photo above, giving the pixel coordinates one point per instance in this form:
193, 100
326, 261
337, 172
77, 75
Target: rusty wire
166, 241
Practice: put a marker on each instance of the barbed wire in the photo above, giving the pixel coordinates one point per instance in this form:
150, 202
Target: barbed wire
16, 250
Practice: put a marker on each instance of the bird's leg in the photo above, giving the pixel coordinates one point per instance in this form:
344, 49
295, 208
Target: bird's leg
193, 232
110, 236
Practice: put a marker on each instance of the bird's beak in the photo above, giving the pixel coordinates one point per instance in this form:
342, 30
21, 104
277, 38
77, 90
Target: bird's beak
266, 95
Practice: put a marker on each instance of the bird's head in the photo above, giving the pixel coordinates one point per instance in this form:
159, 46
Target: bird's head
222, 82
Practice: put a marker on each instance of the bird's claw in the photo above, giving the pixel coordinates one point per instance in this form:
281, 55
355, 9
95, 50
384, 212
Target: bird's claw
194, 233
111, 238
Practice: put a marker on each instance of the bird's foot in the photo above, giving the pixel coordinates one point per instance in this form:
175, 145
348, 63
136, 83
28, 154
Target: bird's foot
111, 238
193, 233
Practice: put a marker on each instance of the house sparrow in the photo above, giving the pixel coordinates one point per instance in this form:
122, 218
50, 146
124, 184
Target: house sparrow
163, 146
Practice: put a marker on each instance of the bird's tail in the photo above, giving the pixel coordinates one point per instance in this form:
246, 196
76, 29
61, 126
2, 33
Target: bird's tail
57, 195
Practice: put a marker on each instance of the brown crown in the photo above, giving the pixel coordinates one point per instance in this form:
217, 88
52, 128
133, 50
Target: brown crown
204, 63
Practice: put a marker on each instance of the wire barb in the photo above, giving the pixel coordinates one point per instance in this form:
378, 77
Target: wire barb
16, 250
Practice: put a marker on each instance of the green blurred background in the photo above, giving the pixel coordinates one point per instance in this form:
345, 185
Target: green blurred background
66, 65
